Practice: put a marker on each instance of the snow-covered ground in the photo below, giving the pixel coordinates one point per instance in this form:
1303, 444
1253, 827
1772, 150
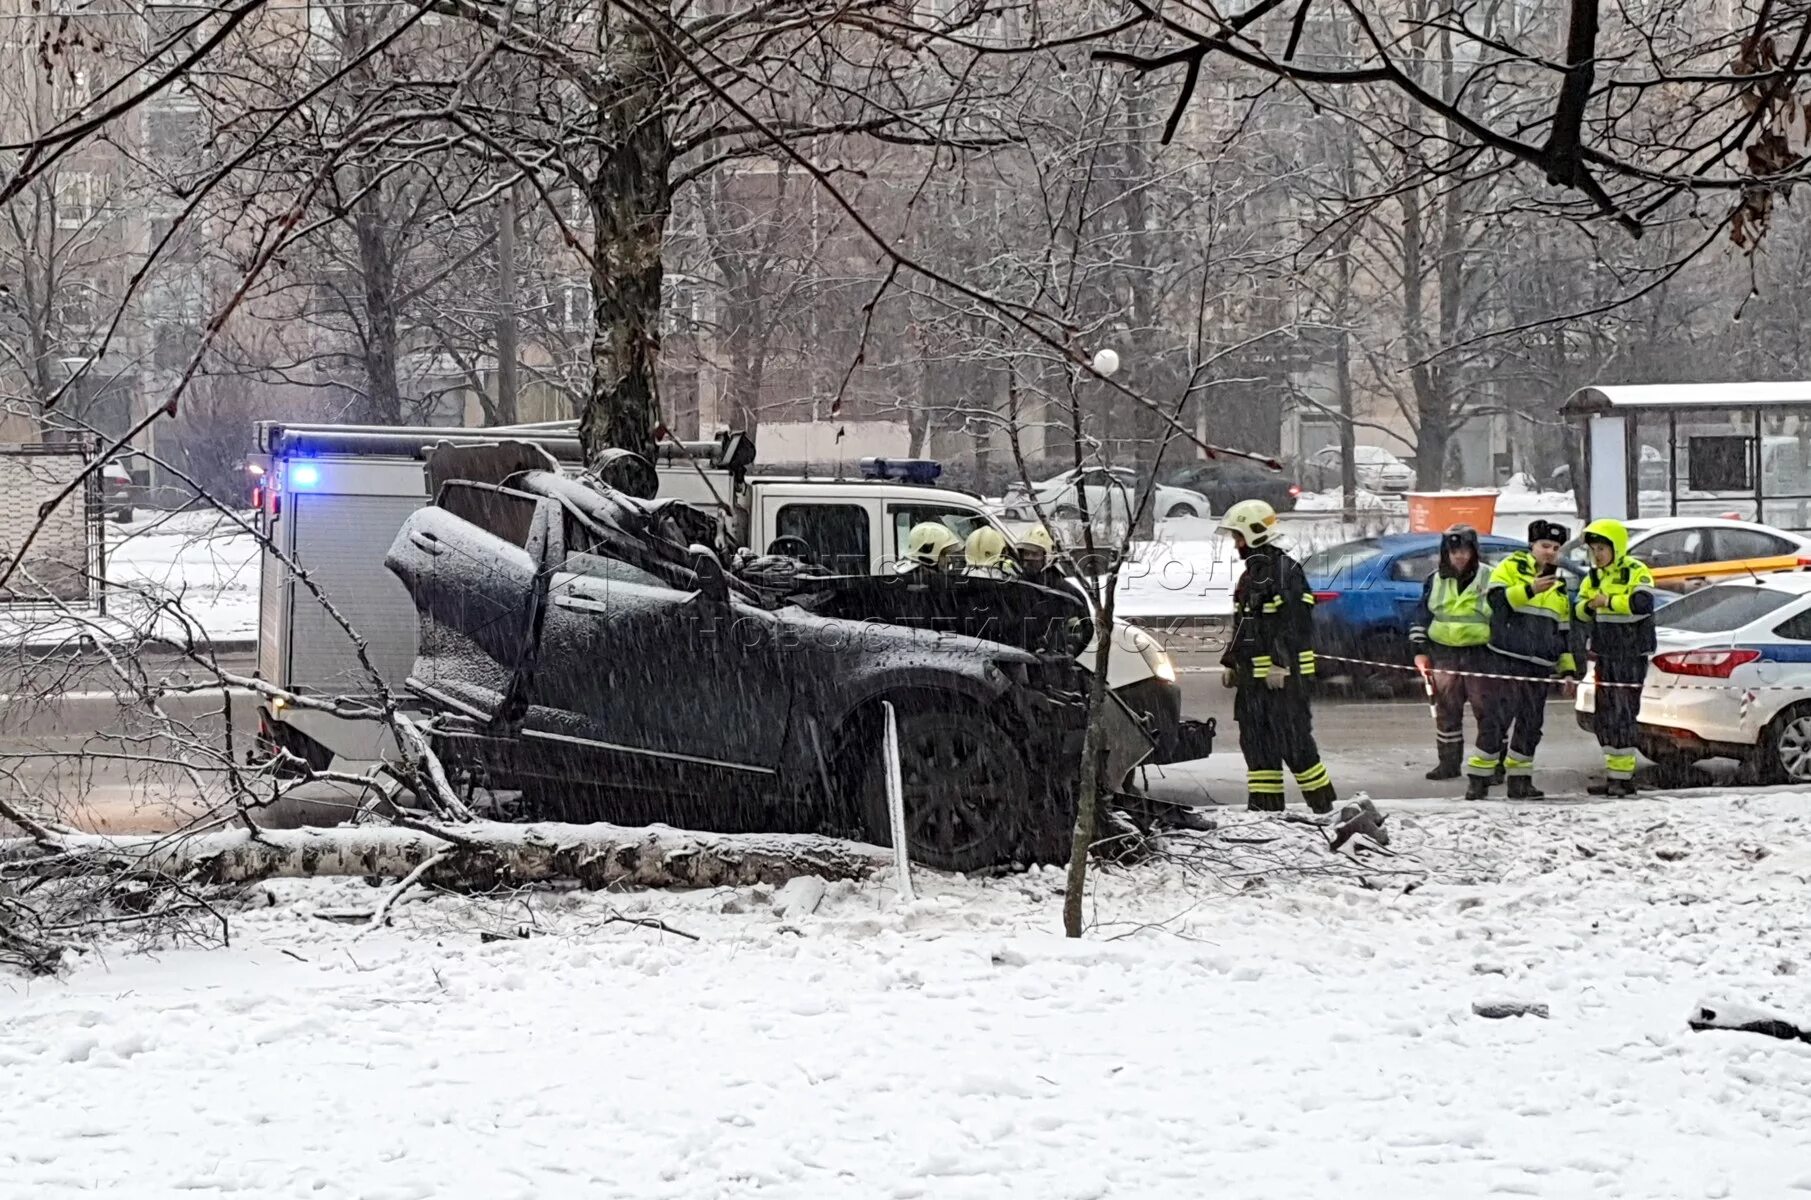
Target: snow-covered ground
1244, 1032
201, 558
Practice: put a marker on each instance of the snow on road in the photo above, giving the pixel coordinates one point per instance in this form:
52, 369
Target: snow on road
201, 559
1244, 1035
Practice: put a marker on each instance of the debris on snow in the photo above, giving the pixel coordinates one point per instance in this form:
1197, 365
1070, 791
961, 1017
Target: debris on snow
1740, 1018
799, 898
1497, 1010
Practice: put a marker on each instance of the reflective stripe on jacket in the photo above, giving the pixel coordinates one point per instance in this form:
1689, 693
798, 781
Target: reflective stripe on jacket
1452, 612
1273, 617
1624, 626
1530, 626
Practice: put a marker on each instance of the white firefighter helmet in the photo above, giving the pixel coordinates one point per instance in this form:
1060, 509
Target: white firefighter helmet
929, 542
1253, 520
1037, 538
986, 548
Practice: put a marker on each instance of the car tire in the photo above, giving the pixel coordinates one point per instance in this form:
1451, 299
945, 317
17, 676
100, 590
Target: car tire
1784, 755
1380, 683
1675, 768
122, 516
1180, 511
969, 797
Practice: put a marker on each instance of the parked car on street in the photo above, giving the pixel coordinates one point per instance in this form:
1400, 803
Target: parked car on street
1688, 552
1365, 596
1377, 470
1730, 678
117, 491
1227, 480
587, 649
1110, 492
1365, 593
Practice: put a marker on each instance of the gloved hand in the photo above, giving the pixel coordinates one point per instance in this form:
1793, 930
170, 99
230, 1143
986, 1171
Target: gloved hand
1277, 680
1229, 678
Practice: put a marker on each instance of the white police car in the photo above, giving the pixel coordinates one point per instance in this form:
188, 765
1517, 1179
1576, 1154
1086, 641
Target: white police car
1730, 678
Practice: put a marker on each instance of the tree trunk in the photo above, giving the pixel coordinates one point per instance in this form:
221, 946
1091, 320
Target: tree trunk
1431, 427
631, 198
1141, 318
484, 855
383, 396
506, 409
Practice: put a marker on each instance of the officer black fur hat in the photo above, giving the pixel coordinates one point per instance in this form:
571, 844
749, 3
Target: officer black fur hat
1543, 530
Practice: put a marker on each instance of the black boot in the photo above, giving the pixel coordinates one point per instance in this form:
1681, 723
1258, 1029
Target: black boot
1477, 787
1320, 800
1615, 789
1449, 762
1521, 787
1265, 803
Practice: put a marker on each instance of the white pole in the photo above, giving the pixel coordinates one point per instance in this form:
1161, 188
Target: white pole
902, 863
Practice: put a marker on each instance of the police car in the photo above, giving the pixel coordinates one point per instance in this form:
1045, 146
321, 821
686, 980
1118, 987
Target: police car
1730, 678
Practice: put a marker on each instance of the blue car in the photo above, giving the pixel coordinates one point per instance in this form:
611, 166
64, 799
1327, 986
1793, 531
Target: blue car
1365, 595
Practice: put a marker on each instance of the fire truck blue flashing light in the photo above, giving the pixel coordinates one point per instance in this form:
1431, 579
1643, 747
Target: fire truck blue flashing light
304, 475
904, 470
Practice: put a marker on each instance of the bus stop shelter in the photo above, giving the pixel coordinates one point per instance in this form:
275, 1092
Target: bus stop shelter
1739, 450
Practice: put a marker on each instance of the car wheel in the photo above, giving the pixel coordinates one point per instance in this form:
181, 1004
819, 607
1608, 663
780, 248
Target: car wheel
968, 795
1178, 511
122, 516
1380, 683
1786, 747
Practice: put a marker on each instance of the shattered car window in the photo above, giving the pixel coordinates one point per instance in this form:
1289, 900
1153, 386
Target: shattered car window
504, 514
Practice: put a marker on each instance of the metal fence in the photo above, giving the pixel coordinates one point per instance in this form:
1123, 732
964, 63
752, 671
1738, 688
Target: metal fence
63, 563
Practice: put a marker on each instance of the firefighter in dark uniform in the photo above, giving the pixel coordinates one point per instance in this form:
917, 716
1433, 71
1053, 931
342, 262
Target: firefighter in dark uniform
1616, 608
1532, 639
1452, 624
1269, 660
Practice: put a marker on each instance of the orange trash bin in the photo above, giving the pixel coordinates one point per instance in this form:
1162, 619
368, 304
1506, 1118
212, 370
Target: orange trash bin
1436, 512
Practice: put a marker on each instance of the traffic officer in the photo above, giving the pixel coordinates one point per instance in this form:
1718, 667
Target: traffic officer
1269, 659
1532, 638
986, 555
931, 545
1452, 623
1616, 607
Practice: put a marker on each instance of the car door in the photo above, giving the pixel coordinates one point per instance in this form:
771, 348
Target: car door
668, 684
473, 563
1403, 585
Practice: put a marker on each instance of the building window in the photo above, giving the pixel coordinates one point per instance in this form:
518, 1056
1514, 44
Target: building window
575, 307
75, 199
77, 310
74, 91
170, 29
323, 39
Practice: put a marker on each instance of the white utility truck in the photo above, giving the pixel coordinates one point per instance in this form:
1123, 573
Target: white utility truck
332, 497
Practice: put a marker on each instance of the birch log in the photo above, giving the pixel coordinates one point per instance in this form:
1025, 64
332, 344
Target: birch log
478, 855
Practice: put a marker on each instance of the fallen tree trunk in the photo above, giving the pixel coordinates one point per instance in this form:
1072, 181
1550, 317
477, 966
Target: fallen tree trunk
473, 856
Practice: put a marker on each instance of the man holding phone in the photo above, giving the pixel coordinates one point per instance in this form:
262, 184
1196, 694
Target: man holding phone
1532, 639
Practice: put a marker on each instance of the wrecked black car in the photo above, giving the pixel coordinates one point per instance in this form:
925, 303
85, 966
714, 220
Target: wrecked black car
586, 649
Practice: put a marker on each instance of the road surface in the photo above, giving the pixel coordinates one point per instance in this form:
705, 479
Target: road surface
1381, 748
90, 751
